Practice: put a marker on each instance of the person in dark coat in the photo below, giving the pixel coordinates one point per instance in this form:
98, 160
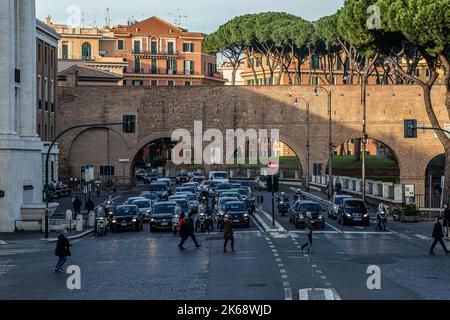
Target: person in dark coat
188, 231
228, 234
90, 206
338, 187
77, 203
62, 250
438, 234
308, 232
446, 221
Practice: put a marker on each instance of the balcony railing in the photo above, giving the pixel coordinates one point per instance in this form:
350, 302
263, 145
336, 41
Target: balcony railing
164, 71
172, 54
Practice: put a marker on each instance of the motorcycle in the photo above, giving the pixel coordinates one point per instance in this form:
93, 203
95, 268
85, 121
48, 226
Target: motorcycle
204, 220
299, 196
283, 206
220, 222
381, 219
102, 224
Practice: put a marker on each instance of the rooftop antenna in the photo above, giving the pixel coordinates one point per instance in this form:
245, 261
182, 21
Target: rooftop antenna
185, 22
108, 20
82, 19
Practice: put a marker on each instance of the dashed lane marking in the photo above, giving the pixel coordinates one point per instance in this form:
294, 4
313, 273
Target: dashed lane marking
286, 284
284, 276
422, 237
282, 271
246, 258
287, 294
2, 243
333, 227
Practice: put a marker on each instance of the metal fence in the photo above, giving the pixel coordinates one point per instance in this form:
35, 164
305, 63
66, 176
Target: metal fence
423, 201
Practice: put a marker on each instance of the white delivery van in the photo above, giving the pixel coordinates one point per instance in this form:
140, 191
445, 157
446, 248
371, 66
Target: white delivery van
219, 176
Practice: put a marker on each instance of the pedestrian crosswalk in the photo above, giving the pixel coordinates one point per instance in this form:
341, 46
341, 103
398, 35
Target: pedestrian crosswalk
6, 266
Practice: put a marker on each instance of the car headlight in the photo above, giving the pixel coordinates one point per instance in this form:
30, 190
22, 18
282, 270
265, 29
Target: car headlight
348, 214
366, 215
300, 216
245, 215
321, 217
134, 219
114, 221
152, 220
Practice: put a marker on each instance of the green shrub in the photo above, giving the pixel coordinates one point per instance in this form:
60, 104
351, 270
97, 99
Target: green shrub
410, 210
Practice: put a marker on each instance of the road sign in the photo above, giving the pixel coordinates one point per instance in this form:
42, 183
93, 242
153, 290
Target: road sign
409, 191
273, 165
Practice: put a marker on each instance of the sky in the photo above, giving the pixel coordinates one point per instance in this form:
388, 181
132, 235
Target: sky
197, 15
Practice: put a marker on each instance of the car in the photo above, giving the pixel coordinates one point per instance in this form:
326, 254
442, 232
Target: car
130, 200
237, 212
160, 189
150, 177
182, 201
127, 217
193, 201
153, 197
191, 185
145, 207
224, 186
235, 185
247, 184
299, 210
220, 207
198, 177
220, 176
193, 190
140, 174
334, 204
353, 211
182, 177
162, 214
166, 181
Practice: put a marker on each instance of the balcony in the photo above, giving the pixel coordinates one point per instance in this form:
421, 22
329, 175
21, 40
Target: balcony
17, 76
155, 54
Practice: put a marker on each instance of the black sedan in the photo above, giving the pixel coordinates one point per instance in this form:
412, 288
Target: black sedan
182, 177
162, 215
127, 217
161, 190
353, 211
300, 209
237, 212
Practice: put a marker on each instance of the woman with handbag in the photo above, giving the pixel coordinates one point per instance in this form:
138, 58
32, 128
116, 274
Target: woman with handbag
308, 232
228, 234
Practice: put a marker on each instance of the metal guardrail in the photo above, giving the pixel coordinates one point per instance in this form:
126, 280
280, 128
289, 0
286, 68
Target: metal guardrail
423, 201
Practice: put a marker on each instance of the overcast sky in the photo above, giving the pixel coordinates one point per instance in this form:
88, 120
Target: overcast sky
199, 15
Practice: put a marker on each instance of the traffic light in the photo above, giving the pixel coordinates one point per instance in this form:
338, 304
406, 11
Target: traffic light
129, 124
275, 186
410, 128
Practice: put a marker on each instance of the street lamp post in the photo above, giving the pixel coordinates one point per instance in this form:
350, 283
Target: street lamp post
364, 134
308, 144
46, 187
330, 140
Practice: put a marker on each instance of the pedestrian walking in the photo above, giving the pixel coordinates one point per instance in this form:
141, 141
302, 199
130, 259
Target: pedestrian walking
77, 204
189, 231
308, 232
438, 234
62, 250
338, 187
446, 221
228, 234
90, 206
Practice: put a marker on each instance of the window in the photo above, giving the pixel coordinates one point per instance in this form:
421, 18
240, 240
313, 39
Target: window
188, 47
137, 46
427, 72
267, 61
124, 82
170, 83
410, 128
259, 61
52, 133
45, 55
187, 83
154, 83
171, 67
268, 80
106, 170
138, 83
39, 85
52, 57
339, 63
260, 81
315, 80
417, 73
251, 82
120, 45
170, 47
137, 66
65, 51
39, 52
250, 62
212, 69
154, 47
188, 67
39, 130
129, 124
52, 96
315, 63
154, 66
46, 93
86, 51
45, 132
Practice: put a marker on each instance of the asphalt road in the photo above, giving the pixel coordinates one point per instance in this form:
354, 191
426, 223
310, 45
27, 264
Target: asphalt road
266, 265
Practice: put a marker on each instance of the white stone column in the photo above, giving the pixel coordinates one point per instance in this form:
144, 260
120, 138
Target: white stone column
27, 66
6, 67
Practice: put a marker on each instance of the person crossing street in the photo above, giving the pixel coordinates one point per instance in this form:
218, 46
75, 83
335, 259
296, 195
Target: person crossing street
438, 236
228, 234
308, 232
188, 230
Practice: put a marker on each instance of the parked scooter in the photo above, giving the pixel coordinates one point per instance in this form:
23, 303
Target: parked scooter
397, 214
381, 218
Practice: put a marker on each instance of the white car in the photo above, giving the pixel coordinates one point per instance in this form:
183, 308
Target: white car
166, 181
145, 207
219, 176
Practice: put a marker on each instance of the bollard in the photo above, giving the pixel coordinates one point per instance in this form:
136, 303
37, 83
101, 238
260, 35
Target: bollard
91, 219
79, 227
69, 215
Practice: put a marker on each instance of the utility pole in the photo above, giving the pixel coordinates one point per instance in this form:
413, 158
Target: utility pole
364, 134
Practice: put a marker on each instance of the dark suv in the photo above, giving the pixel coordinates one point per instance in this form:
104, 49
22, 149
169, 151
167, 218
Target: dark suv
127, 217
353, 211
182, 177
298, 211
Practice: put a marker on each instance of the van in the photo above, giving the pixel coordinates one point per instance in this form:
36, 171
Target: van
219, 176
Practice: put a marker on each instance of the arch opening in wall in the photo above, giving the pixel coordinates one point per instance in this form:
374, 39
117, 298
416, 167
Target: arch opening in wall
86, 51
381, 161
434, 172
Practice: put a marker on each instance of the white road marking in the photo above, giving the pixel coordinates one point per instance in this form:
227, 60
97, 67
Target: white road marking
246, 258
244, 252
328, 284
282, 271
264, 226
328, 294
276, 255
368, 232
336, 295
284, 276
303, 294
287, 294
422, 237
404, 236
274, 250
295, 257
286, 284
333, 227
281, 265
323, 277
278, 260
295, 232
277, 224
319, 271
3, 243
348, 236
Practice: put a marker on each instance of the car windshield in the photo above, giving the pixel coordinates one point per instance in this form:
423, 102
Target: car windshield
197, 174
183, 204
356, 206
224, 186
164, 208
125, 211
190, 185
158, 187
223, 201
338, 200
220, 175
235, 206
150, 196
310, 207
229, 194
182, 174
191, 190
141, 204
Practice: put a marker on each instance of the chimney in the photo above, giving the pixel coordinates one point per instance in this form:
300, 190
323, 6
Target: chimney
72, 78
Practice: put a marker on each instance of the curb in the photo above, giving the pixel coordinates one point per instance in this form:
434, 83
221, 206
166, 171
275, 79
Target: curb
78, 236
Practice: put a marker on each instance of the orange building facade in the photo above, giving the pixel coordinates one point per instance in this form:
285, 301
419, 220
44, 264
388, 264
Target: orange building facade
161, 54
